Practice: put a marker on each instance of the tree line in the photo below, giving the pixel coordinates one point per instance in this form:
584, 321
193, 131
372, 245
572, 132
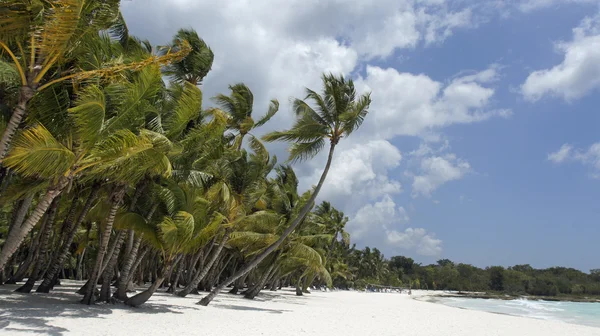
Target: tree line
368, 266
116, 172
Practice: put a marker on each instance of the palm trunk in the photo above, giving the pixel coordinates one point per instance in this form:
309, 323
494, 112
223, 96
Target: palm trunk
193, 264
109, 269
123, 283
16, 236
142, 297
19, 113
253, 292
299, 287
71, 229
116, 198
252, 264
194, 283
175, 282
218, 275
137, 263
80, 264
136, 195
42, 258
171, 269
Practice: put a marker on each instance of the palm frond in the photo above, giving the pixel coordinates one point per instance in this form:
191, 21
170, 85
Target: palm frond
88, 114
36, 152
305, 150
188, 106
273, 108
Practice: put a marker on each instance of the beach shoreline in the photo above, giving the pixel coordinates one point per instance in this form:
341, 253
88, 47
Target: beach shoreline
271, 313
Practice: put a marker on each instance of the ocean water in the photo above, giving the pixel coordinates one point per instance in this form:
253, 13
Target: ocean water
571, 312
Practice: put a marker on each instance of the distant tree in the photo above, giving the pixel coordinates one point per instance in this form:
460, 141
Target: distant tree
496, 278
445, 262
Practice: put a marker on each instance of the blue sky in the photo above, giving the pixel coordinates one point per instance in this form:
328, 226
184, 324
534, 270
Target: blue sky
479, 144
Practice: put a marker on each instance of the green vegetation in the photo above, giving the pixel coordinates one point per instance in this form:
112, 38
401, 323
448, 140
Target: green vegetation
368, 266
112, 176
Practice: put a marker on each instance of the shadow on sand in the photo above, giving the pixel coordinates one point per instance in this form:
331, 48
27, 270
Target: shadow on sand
34, 313
235, 307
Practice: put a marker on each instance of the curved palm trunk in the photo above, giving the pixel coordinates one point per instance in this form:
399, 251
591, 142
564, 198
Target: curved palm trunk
124, 278
116, 198
192, 267
71, 229
175, 282
253, 292
16, 236
194, 283
109, 270
137, 263
299, 287
18, 218
42, 258
252, 264
142, 297
18, 114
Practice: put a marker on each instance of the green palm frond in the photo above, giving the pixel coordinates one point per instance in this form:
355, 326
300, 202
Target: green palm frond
315, 240
196, 65
9, 75
273, 108
16, 18
303, 151
131, 99
248, 241
353, 118
88, 114
187, 108
261, 221
303, 251
36, 152
60, 24
132, 221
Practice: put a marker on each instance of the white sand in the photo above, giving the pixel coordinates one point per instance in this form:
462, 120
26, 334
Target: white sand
280, 313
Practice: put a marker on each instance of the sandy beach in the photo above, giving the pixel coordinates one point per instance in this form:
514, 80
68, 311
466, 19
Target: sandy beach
272, 313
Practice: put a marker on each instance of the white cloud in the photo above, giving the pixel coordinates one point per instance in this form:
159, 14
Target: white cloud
278, 55
415, 105
589, 157
359, 173
530, 5
437, 170
382, 221
579, 72
561, 155
425, 244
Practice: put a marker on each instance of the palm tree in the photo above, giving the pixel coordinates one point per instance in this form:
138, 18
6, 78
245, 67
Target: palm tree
196, 65
41, 37
337, 113
239, 105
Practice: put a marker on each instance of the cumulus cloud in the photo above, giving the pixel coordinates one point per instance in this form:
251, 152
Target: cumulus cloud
530, 5
589, 157
579, 72
437, 170
277, 56
414, 105
561, 154
383, 222
358, 173
424, 243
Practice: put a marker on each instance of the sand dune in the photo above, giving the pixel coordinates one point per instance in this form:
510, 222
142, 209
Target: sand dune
273, 313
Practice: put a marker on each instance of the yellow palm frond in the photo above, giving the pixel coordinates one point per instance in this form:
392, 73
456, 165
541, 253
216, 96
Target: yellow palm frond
36, 152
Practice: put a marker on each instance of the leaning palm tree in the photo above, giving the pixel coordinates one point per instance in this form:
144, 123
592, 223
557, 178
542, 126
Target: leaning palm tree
337, 112
239, 105
41, 37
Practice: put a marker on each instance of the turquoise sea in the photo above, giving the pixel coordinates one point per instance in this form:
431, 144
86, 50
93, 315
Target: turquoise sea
571, 312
